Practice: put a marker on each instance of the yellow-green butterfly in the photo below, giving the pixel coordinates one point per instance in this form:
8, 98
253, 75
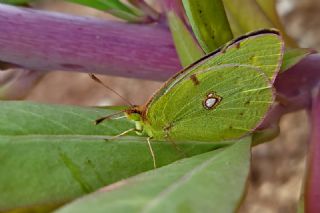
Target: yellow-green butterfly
224, 95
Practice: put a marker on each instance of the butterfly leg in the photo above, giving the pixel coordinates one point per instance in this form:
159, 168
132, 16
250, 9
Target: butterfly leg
121, 134
167, 137
152, 153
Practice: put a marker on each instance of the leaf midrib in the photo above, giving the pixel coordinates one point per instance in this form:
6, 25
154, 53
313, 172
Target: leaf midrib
180, 182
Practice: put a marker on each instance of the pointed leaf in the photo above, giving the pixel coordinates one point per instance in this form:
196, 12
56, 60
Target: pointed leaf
209, 23
114, 7
293, 56
187, 48
246, 16
269, 8
211, 182
16, 2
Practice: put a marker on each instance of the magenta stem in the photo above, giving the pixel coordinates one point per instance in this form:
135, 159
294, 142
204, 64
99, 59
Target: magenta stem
295, 86
312, 192
40, 40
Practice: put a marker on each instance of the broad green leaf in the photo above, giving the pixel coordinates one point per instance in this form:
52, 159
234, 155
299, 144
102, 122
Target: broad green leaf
211, 182
114, 7
50, 154
269, 8
234, 25
187, 48
293, 56
209, 23
249, 15
246, 16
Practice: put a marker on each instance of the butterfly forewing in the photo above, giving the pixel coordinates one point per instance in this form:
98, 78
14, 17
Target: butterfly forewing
213, 104
262, 49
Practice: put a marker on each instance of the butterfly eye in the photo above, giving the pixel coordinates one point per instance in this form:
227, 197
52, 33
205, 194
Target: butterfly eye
211, 101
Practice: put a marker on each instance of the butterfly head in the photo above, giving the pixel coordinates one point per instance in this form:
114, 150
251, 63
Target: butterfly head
137, 115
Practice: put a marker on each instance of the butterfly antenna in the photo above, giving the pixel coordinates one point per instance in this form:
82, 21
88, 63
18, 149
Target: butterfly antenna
96, 79
99, 120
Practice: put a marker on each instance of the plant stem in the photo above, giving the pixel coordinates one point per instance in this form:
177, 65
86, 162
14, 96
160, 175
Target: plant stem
45, 41
312, 192
294, 87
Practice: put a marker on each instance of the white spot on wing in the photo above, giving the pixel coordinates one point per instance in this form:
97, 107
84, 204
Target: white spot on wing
211, 101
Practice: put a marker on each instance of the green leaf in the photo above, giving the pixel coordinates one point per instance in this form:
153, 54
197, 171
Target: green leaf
51, 154
16, 2
209, 23
104, 5
301, 207
246, 16
293, 56
114, 7
270, 10
211, 182
249, 15
187, 48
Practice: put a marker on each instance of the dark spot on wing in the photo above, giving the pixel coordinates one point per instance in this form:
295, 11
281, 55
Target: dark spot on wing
212, 34
241, 113
238, 45
230, 127
194, 79
247, 102
251, 58
167, 129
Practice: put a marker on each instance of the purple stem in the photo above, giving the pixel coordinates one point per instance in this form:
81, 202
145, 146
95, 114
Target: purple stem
174, 5
294, 88
312, 192
45, 41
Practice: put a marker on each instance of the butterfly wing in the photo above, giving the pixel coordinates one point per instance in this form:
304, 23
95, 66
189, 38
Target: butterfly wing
217, 103
262, 49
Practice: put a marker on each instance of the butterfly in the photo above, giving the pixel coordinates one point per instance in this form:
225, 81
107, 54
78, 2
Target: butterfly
222, 96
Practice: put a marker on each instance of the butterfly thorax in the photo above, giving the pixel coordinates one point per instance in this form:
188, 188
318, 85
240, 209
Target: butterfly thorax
137, 115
